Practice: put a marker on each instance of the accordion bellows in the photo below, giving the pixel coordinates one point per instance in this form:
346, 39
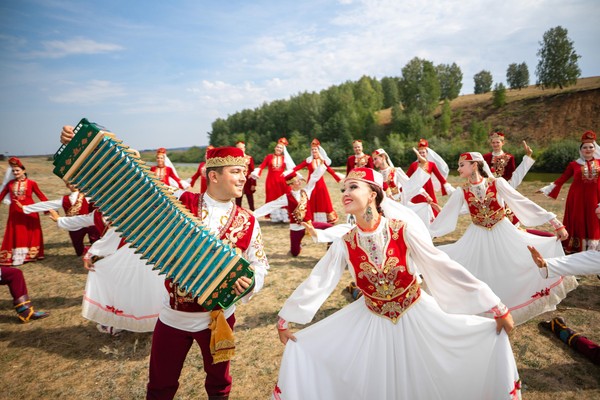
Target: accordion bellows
165, 234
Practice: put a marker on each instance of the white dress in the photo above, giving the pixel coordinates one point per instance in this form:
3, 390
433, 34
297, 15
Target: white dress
122, 291
433, 351
499, 256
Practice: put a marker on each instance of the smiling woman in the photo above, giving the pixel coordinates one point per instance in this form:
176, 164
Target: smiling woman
396, 337
23, 240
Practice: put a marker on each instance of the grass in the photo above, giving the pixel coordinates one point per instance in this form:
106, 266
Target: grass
65, 357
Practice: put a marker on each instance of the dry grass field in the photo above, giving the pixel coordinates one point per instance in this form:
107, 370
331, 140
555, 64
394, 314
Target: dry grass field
65, 357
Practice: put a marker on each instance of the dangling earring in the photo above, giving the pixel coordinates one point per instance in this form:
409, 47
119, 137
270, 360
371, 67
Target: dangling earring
368, 216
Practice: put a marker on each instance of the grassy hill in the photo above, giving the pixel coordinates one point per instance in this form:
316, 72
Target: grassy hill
533, 114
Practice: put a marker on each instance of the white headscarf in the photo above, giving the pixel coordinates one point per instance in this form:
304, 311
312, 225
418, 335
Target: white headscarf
323, 155
476, 156
173, 182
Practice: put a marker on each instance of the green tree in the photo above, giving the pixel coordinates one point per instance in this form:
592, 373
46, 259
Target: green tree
420, 87
517, 76
557, 64
391, 95
450, 77
483, 82
499, 95
446, 118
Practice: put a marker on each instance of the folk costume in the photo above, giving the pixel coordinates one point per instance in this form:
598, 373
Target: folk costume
320, 201
495, 251
250, 185
501, 164
182, 319
397, 341
122, 292
402, 188
361, 160
275, 186
14, 279
23, 239
297, 203
582, 200
201, 173
166, 174
432, 169
72, 204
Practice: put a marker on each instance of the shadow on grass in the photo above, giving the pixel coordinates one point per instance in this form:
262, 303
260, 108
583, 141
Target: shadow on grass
77, 342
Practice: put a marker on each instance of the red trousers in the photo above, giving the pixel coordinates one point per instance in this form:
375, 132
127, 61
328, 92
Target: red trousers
169, 350
297, 236
78, 237
13, 277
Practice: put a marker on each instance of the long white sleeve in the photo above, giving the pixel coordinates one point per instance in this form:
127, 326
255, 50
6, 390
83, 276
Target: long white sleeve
271, 206
529, 213
455, 289
255, 255
107, 245
42, 206
76, 222
521, 170
330, 234
306, 300
583, 263
446, 220
411, 186
314, 178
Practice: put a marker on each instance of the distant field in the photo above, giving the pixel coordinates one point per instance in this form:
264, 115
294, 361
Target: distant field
65, 357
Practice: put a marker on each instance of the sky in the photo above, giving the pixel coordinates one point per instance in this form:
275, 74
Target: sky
157, 73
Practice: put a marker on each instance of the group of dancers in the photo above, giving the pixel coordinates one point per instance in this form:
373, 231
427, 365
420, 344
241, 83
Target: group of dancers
429, 321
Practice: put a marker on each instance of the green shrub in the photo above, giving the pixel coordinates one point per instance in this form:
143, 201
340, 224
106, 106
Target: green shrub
556, 156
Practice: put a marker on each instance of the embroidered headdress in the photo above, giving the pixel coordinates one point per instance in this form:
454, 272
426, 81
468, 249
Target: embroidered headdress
423, 143
15, 162
475, 156
283, 141
161, 150
497, 135
367, 175
588, 137
225, 157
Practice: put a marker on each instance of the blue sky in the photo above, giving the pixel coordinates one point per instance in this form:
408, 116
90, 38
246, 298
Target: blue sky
158, 73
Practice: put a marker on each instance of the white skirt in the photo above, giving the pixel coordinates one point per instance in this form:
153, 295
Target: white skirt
427, 354
500, 258
124, 292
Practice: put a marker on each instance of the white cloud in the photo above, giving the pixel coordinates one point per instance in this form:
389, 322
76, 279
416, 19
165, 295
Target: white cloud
93, 92
75, 46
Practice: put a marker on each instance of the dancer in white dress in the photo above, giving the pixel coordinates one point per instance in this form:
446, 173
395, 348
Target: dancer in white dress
493, 249
122, 292
396, 341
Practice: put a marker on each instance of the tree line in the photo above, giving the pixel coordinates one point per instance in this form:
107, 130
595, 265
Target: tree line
341, 113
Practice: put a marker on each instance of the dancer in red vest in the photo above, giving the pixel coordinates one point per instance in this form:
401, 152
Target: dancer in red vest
396, 341
297, 203
358, 159
163, 172
72, 204
496, 248
182, 320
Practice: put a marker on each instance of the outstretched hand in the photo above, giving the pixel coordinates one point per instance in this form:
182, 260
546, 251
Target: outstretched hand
420, 158
54, 216
528, 149
562, 234
537, 257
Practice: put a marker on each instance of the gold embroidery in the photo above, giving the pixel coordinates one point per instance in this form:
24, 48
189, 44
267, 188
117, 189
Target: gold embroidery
590, 171
225, 161
76, 207
356, 175
300, 211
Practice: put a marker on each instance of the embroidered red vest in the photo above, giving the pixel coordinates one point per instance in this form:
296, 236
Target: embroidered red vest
488, 212
236, 233
81, 206
103, 227
389, 289
299, 211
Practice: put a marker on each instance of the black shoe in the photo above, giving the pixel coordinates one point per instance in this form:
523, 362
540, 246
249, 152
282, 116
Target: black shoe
546, 325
